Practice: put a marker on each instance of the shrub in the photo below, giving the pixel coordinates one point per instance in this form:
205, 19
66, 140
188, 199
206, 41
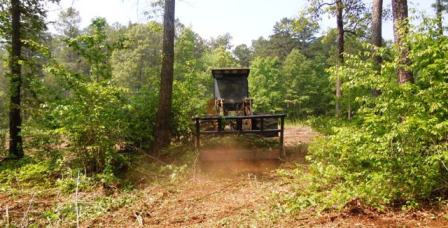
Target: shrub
91, 113
396, 150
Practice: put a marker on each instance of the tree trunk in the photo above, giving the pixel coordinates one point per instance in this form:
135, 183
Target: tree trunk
439, 9
401, 30
15, 119
340, 28
162, 127
377, 17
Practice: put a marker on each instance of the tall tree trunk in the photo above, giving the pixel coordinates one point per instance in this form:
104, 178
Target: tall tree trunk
377, 16
439, 9
162, 127
340, 28
377, 23
401, 30
15, 119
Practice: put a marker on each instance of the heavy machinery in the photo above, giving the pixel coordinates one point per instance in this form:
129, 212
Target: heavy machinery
230, 112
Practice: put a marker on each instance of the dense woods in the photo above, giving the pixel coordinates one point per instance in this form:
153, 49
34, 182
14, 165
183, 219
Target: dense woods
88, 100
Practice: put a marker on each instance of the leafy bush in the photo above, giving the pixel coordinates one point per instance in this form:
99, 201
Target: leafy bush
396, 150
92, 112
95, 123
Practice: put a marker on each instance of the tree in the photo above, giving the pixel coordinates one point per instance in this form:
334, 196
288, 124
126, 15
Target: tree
283, 41
401, 30
137, 65
377, 17
189, 50
440, 6
304, 31
340, 28
162, 127
15, 118
3, 100
266, 85
224, 41
350, 18
243, 54
67, 26
288, 34
220, 57
21, 26
300, 89
68, 22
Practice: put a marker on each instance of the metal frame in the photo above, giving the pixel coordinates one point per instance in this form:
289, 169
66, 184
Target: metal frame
239, 129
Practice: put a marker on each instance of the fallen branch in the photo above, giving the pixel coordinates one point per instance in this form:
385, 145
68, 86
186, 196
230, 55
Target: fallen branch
139, 218
212, 193
155, 159
443, 163
76, 201
7, 215
25, 215
195, 164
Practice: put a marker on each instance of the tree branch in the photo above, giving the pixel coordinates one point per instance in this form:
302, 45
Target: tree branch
350, 32
325, 4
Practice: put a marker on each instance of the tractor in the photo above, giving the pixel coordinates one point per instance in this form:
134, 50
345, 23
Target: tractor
230, 112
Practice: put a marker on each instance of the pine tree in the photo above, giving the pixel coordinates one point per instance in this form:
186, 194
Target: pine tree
162, 127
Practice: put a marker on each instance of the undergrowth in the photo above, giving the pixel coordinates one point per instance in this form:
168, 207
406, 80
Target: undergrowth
395, 150
33, 179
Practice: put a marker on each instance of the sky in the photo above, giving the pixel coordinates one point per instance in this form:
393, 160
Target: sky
245, 20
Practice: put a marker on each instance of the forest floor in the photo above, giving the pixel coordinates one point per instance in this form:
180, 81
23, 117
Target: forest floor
235, 195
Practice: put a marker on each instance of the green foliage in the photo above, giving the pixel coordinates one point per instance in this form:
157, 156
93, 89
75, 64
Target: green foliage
33, 19
288, 34
220, 57
221, 41
243, 54
94, 122
141, 111
193, 82
137, 66
298, 86
27, 173
95, 49
64, 213
395, 152
303, 86
68, 23
71, 180
93, 113
189, 99
266, 84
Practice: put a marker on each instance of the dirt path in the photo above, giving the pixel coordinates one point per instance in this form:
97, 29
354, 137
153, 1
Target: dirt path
205, 202
244, 200
210, 198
